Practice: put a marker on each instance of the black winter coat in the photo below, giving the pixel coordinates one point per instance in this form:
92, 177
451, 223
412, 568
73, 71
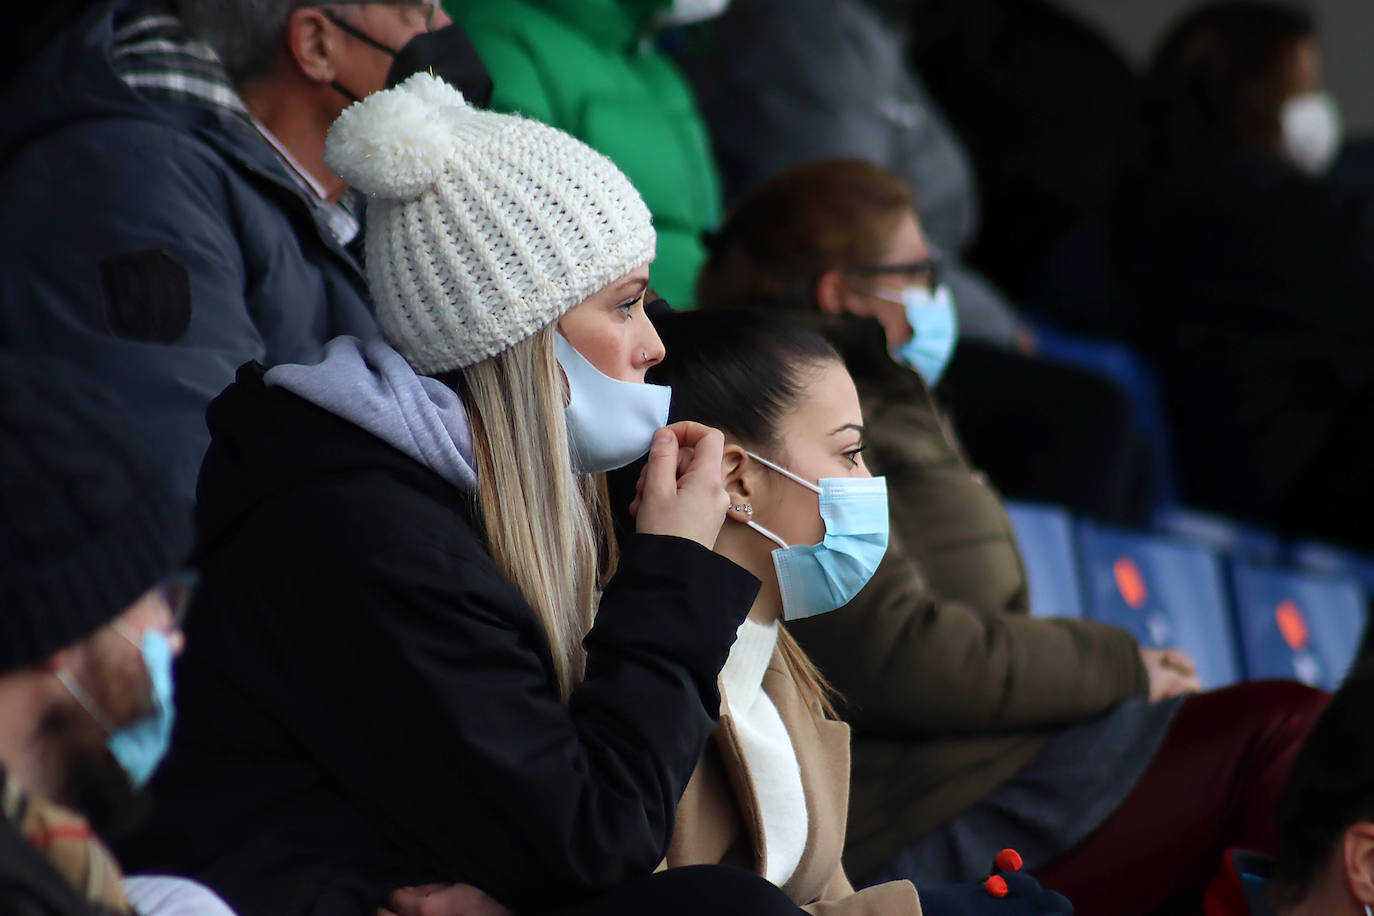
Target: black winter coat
366, 702
1252, 283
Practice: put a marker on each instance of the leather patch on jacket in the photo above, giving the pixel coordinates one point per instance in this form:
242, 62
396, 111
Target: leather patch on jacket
147, 295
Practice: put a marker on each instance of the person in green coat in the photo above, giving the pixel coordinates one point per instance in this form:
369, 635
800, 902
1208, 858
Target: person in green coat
590, 68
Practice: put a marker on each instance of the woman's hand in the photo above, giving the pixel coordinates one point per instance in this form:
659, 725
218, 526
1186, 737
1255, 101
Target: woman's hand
1171, 672
681, 490
442, 900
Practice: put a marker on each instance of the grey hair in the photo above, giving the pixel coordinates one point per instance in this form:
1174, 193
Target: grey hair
244, 33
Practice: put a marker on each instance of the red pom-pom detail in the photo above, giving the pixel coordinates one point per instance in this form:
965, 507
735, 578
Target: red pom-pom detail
996, 886
1008, 860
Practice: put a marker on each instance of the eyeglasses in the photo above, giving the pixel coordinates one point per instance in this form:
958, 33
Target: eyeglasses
177, 590
914, 273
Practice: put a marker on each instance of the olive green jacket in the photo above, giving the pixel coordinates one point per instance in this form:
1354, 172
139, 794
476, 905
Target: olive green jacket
948, 683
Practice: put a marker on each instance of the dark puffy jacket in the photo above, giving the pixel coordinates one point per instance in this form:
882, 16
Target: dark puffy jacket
119, 204
366, 702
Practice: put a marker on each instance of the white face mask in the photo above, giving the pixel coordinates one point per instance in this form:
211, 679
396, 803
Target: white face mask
610, 422
685, 12
1311, 131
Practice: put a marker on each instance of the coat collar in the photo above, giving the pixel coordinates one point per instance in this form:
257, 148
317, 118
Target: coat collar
822, 748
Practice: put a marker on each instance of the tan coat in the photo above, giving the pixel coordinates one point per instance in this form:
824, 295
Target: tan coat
719, 820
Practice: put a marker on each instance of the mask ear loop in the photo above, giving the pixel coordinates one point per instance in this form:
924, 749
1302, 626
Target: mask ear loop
86, 701
786, 473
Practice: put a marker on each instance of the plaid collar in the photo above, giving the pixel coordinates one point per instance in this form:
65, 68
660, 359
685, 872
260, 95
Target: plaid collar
66, 841
155, 56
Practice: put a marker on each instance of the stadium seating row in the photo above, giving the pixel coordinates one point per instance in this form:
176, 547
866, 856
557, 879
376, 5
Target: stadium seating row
1241, 602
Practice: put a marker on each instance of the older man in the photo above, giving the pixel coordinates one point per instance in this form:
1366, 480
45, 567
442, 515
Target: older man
168, 215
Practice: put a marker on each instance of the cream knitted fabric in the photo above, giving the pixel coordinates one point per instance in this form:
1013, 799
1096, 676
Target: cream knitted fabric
482, 228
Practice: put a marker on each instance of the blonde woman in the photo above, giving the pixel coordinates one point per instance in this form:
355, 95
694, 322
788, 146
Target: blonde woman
416, 663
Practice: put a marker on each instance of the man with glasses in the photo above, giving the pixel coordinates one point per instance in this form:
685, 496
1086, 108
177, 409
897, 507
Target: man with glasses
90, 542
168, 213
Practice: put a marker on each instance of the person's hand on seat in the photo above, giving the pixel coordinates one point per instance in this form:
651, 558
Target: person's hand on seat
1172, 673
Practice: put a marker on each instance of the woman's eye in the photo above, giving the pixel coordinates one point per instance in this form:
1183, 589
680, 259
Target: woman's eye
853, 455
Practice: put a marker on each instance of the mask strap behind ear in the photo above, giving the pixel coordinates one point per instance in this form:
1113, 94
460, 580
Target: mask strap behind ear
784, 472
85, 699
768, 534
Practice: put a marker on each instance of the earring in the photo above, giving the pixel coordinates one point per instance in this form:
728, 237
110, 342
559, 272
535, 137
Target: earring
746, 509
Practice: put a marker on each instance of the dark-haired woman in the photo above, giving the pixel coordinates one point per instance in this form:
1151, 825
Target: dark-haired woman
975, 725
806, 517
1249, 271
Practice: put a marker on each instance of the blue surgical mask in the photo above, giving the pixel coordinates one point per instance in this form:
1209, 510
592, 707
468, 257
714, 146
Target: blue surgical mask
820, 577
610, 422
139, 746
932, 317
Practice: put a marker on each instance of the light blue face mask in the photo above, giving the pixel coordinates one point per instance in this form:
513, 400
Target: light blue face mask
610, 422
820, 577
932, 317
139, 746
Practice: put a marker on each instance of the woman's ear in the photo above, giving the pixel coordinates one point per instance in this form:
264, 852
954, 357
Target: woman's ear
734, 467
1358, 852
832, 292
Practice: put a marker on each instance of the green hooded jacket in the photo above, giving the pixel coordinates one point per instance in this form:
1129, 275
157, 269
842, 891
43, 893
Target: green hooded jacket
590, 68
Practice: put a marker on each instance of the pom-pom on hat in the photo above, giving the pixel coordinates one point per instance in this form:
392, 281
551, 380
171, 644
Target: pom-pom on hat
482, 228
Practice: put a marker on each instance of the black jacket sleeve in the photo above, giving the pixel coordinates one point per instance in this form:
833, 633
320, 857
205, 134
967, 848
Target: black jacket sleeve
418, 680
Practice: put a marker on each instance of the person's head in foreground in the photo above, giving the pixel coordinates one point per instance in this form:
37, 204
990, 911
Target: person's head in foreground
1237, 70
836, 236
1326, 813
509, 261
805, 516
90, 591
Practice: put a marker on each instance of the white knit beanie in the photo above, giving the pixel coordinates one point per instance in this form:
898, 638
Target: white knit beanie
482, 228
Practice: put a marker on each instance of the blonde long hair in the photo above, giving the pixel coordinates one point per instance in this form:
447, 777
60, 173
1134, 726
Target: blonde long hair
547, 529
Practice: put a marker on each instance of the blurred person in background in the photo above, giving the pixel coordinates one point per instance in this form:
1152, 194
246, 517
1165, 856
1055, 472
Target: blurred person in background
785, 82
591, 68
1249, 272
168, 212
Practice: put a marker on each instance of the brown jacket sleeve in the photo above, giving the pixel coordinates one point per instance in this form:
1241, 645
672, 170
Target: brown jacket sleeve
909, 664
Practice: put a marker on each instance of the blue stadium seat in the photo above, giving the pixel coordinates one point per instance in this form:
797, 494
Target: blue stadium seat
1127, 368
1169, 593
1297, 625
1045, 535
1328, 559
1222, 534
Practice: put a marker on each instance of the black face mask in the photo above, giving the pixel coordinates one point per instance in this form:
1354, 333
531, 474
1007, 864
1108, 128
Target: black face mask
448, 54
445, 52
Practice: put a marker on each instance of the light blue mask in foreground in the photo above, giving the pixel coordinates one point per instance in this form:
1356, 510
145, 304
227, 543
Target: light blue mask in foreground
610, 422
820, 577
139, 746
932, 317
